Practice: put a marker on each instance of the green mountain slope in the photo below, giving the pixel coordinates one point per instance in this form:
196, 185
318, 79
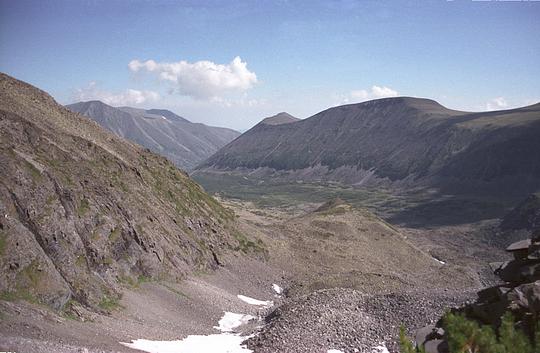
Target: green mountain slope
83, 210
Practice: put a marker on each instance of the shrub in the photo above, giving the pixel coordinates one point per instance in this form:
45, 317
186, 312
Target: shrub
468, 336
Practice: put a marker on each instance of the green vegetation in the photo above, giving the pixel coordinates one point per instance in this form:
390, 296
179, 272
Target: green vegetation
31, 273
18, 294
406, 344
115, 233
84, 207
28, 279
2, 242
80, 261
108, 303
246, 245
36, 174
67, 313
176, 291
468, 336
143, 279
133, 282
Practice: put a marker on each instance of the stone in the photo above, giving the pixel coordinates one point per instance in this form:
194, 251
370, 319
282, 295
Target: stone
423, 334
436, 346
520, 249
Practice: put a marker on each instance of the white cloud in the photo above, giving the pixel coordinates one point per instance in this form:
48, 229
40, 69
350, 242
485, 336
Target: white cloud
126, 97
375, 92
497, 104
201, 79
382, 92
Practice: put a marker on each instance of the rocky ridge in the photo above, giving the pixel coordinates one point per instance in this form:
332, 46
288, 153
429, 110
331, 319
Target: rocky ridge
84, 212
399, 141
185, 143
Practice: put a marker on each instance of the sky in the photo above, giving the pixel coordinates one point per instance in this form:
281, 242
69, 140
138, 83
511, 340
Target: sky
232, 63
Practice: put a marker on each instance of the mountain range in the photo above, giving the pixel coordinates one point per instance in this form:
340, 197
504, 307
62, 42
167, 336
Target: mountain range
185, 143
399, 141
84, 211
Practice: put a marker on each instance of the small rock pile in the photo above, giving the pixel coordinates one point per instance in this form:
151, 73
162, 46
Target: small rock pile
519, 294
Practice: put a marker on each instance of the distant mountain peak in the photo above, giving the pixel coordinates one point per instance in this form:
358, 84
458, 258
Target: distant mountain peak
185, 143
279, 119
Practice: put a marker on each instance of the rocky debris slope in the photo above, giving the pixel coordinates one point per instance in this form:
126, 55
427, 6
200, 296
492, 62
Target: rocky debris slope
349, 320
83, 210
519, 294
185, 143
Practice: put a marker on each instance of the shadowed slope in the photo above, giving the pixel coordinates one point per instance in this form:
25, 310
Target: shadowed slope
185, 143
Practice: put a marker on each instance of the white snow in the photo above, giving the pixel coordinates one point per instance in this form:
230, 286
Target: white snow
277, 288
225, 342
380, 349
220, 343
252, 301
230, 321
334, 351
439, 261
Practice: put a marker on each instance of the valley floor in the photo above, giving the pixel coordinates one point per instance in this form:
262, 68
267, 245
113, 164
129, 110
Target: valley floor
350, 281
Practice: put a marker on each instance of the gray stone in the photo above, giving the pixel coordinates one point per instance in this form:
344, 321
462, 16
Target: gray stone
436, 346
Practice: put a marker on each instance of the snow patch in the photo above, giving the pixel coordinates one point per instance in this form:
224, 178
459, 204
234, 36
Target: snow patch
230, 321
277, 288
252, 301
439, 261
220, 343
225, 342
334, 351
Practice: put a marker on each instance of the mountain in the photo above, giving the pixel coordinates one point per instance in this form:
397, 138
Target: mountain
185, 143
280, 118
84, 210
526, 215
398, 141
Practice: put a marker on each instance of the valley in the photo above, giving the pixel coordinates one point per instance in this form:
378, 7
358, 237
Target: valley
109, 247
343, 271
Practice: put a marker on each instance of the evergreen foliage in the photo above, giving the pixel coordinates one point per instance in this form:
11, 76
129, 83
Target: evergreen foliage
468, 336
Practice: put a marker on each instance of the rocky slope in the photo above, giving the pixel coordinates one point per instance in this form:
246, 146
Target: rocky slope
398, 141
185, 143
84, 210
526, 215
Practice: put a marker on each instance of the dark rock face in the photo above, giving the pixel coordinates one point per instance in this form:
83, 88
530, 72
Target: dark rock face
82, 210
520, 295
525, 216
396, 140
185, 143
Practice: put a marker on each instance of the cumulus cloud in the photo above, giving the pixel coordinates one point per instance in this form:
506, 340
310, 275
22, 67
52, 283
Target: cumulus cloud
374, 93
126, 97
201, 79
497, 103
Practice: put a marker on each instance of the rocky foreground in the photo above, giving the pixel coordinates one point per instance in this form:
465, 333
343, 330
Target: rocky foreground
350, 321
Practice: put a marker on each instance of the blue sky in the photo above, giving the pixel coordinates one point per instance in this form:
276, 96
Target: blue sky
232, 63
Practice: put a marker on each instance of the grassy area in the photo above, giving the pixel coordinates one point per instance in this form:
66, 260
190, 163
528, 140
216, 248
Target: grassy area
420, 207
246, 245
108, 303
84, 207
269, 194
2, 242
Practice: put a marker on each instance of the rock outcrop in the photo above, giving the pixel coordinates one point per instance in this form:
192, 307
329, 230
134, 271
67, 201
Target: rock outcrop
525, 216
83, 211
519, 294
